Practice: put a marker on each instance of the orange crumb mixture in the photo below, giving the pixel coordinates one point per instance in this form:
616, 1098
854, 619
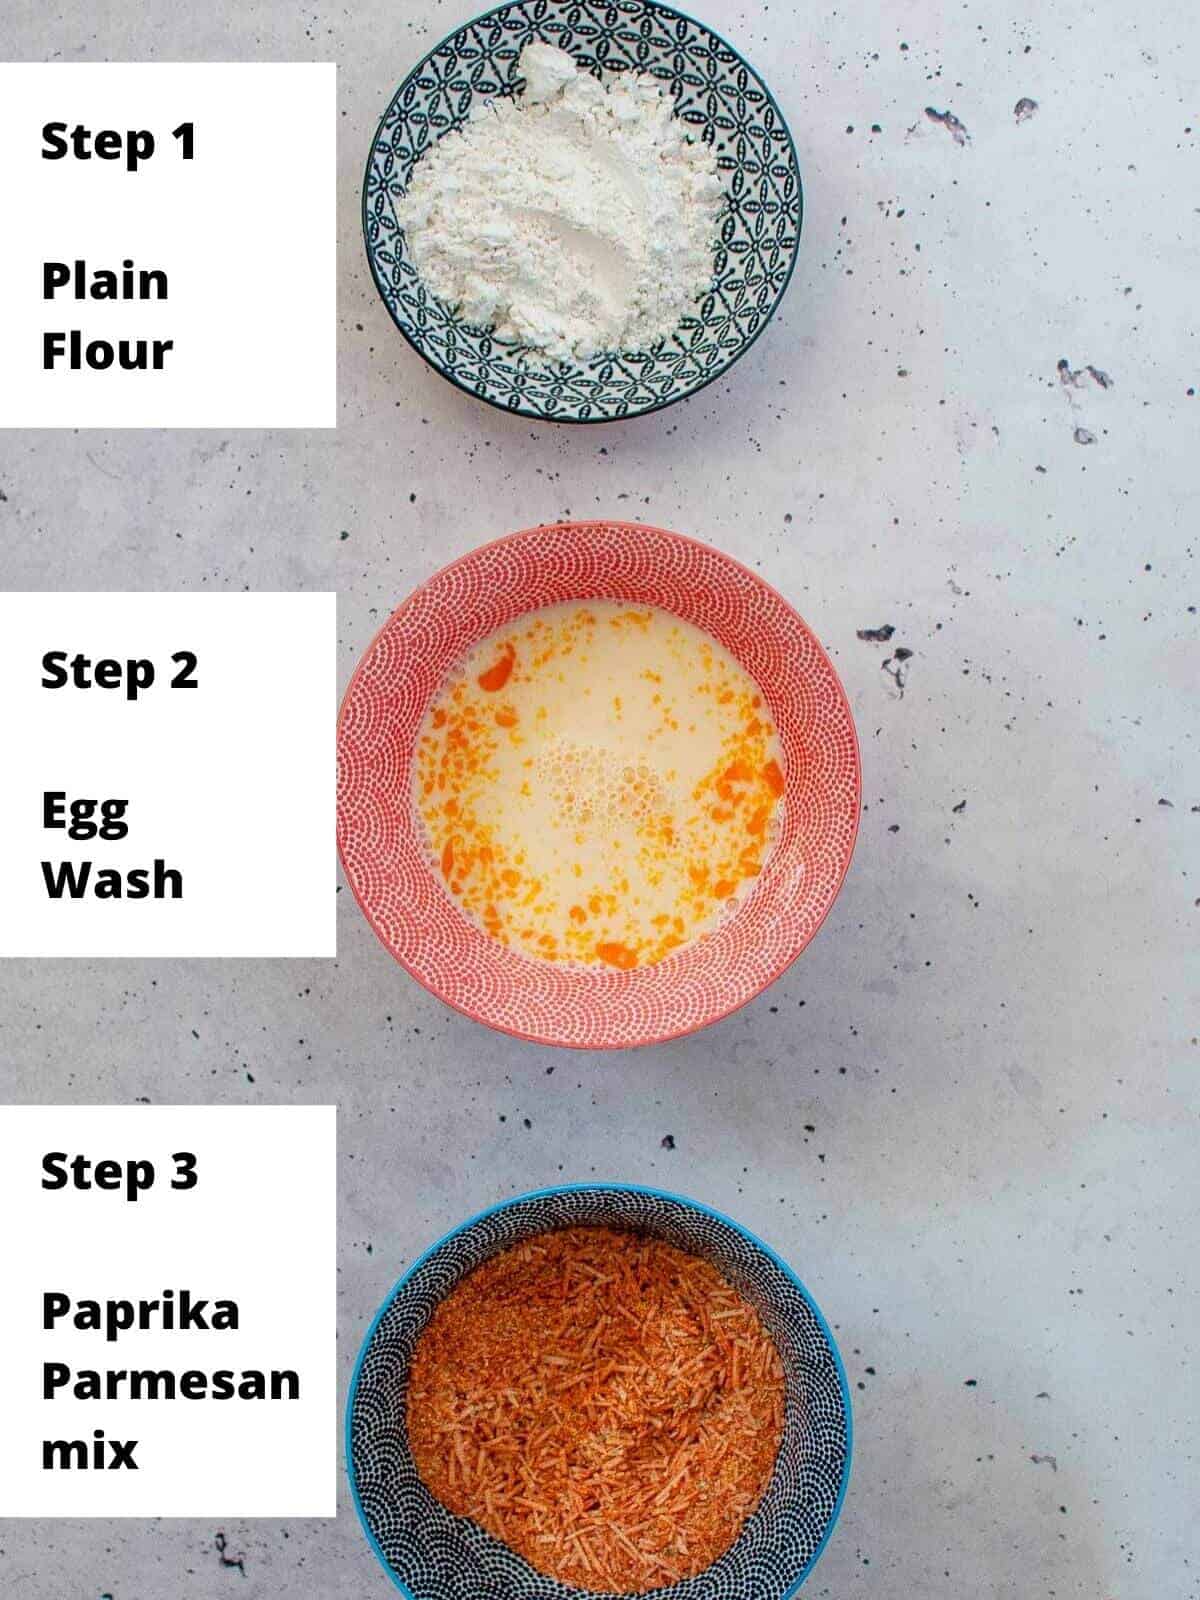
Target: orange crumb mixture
598, 783
606, 1405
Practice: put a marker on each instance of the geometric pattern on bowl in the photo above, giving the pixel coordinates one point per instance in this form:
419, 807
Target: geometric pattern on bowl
381, 841
431, 1554
721, 99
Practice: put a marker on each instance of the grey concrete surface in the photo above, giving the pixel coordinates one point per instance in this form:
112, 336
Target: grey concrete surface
968, 1115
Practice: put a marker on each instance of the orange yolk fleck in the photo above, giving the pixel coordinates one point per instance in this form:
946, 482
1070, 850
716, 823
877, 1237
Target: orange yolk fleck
617, 955
772, 776
498, 674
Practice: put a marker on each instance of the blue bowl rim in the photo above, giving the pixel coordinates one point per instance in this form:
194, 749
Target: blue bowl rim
604, 1188
541, 416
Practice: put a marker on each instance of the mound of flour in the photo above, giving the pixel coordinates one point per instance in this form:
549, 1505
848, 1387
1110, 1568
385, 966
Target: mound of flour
576, 217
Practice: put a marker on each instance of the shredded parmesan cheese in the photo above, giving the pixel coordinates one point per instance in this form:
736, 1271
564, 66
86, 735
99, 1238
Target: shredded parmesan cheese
606, 1405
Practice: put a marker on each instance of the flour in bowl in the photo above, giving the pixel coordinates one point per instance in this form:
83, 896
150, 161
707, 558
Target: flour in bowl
574, 218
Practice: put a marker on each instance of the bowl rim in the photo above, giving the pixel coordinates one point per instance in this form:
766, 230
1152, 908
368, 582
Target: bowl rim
673, 1033
530, 411
606, 1187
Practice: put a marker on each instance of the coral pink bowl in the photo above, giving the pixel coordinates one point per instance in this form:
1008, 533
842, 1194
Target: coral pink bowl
379, 835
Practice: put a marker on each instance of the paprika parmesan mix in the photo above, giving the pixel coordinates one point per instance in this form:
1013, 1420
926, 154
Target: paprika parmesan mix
603, 1403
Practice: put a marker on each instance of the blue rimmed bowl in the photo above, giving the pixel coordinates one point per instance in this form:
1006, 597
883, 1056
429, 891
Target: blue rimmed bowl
723, 101
430, 1554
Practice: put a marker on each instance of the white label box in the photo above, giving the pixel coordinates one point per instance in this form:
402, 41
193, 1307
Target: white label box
170, 776
170, 245
137, 1220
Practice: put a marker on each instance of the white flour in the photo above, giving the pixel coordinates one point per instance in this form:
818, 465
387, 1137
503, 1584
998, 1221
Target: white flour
575, 218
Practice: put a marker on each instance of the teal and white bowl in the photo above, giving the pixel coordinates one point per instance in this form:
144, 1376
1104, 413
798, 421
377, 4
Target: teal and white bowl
723, 101
431, 1554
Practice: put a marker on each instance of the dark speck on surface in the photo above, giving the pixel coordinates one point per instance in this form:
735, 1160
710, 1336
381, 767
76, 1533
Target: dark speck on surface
1024, 108
225, 1558
877, 635
668, 1141
1084, 436
950, 122
1073, 377
896, 669
970, 1383
959, 808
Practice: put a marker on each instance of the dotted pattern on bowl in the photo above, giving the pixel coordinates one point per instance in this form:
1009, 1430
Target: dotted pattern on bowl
435, 1555
381, 841
716, 93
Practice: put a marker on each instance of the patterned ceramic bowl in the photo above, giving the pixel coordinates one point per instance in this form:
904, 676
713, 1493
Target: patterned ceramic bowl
717, 94
380, 838
431, 1554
